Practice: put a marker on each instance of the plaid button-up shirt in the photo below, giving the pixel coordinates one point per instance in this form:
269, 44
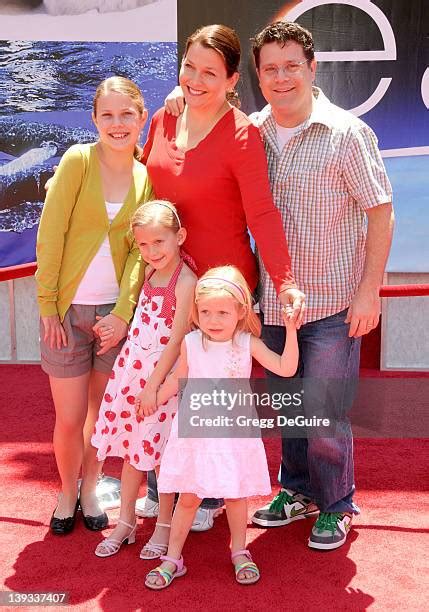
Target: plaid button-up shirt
323, 181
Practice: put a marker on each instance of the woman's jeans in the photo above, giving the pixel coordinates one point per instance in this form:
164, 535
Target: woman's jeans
321, 468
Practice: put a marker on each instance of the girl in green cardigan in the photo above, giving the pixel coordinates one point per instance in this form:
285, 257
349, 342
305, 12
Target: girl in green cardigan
89, 277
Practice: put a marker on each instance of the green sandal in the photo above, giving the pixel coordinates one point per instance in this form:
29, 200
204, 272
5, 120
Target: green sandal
166, 575
247, 566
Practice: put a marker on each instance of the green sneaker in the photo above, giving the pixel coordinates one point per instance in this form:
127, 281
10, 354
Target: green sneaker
286, 507
330, 530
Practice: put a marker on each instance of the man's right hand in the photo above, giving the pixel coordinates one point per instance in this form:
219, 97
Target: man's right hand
175, 102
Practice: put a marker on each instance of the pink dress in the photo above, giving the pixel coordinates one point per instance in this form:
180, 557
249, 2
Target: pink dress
118, 431
215, 467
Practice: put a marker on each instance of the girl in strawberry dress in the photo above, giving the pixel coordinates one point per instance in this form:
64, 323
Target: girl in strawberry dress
152, 348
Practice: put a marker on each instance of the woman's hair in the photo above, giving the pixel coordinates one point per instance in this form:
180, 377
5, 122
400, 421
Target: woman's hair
119, 85
227, 281
225, 41
156, 212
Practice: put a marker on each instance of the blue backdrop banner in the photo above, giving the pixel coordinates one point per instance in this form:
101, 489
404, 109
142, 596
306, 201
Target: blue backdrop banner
47, 86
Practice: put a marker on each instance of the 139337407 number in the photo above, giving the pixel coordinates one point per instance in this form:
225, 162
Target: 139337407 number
45, 598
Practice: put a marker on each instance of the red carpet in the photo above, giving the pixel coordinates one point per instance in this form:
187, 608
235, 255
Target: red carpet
383, 566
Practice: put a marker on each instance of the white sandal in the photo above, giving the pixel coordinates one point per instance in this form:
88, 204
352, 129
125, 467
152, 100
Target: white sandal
110, 546
152, 547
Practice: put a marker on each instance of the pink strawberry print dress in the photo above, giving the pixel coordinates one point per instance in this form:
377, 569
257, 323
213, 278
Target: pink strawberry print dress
119, 432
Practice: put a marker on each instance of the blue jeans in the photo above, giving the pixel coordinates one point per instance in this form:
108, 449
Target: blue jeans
322, 468
152, 493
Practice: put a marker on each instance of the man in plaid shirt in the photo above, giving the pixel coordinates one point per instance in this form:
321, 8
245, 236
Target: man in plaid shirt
330, 185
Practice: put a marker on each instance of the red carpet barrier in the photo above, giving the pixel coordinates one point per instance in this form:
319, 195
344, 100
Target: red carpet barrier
370, 353
385, 291
403, 290
18, 271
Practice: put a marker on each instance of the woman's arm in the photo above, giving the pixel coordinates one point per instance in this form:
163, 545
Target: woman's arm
149, 140
117, 321
133, 274
285, 364
54, 222
184, 296
174, 103
129, 290
249, 166
111, 328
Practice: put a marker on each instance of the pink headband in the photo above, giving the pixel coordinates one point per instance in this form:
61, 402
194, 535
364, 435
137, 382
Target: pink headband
218, 279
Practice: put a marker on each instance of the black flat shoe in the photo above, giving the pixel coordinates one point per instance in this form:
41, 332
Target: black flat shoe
95, 523
62, 526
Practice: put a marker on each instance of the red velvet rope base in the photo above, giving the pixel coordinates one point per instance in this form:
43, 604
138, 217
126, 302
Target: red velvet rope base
18, 271
403, 290
385, 290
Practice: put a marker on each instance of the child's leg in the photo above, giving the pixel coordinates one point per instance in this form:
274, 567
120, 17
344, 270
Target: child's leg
181, 524
130, 484
161, 534
236, 512
91, 467
70, 397
131, 479
166, 503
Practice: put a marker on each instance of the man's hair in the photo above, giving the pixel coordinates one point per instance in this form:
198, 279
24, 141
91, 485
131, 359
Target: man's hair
283, 32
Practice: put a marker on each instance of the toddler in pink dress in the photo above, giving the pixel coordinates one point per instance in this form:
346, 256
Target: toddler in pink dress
234, 468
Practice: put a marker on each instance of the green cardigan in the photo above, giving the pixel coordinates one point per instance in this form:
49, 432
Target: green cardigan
74, 224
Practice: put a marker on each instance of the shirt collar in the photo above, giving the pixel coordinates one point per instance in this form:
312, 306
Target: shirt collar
322, 109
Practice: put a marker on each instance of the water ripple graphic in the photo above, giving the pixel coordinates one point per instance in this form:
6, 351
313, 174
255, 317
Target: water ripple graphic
62, 76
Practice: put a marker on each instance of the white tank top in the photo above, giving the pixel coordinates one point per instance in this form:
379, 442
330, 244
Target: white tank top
99, 284
285, 134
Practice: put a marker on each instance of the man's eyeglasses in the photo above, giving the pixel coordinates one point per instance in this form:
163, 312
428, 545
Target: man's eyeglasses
272, 71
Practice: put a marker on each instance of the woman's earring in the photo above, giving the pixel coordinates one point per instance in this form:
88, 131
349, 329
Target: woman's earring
232, 98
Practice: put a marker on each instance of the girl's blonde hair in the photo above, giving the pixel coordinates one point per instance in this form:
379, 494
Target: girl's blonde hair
227, 281
119, 85
155, 212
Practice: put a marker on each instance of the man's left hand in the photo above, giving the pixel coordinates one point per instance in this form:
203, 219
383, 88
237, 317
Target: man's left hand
364, 312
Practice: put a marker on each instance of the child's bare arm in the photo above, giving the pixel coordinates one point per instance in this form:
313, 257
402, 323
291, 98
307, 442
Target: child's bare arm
285, 364
172, 382
170, 386
184, 296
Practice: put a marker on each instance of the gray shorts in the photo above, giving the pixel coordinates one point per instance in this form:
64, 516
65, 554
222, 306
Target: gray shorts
80, 354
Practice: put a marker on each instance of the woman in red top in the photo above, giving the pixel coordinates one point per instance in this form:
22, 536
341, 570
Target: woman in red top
210, 161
